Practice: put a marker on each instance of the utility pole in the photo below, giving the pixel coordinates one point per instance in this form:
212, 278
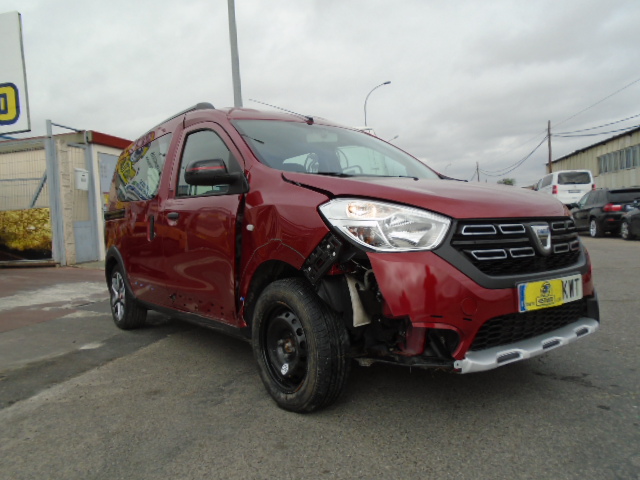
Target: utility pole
550, 166
235, 61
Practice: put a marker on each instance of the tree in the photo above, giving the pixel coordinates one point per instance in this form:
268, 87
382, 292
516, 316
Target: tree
507, 181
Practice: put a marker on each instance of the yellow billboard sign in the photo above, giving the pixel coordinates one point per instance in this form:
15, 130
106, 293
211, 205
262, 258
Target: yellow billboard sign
9, 104
14, 105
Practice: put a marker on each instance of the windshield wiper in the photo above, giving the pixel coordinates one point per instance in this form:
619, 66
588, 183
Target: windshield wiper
398, 176
334, 174
347, 175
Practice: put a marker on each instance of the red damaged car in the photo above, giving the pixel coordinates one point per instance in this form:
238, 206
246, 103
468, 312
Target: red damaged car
322, 244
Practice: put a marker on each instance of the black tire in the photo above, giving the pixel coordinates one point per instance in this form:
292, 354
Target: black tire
300, 345
625, 231
595, 230
126, 311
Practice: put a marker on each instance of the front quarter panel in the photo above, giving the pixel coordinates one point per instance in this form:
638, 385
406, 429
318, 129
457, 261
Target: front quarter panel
281, 223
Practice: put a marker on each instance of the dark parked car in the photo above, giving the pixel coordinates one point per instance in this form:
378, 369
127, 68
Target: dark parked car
600, 211
630, 227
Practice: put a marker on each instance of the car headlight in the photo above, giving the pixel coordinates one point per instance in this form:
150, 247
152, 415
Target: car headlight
386, 227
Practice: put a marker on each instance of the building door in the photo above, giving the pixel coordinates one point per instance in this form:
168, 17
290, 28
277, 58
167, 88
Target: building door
83, 209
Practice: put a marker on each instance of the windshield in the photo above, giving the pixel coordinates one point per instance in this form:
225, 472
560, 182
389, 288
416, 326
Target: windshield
323, 150
574, 178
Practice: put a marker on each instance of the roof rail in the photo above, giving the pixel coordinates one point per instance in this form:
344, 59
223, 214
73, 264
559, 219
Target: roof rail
197, 106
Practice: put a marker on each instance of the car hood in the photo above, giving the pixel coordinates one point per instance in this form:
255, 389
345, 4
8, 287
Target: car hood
452, 198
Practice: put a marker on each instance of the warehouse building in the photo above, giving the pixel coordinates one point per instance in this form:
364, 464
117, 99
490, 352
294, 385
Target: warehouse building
615, 162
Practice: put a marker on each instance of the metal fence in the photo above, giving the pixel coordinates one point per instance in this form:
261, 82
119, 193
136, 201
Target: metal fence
23, 180
25, 226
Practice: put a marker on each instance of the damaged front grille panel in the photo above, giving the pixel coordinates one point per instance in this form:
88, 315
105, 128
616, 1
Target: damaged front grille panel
521, 326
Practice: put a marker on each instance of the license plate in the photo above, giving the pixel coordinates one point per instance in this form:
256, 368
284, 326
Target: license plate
549, 293
574, 191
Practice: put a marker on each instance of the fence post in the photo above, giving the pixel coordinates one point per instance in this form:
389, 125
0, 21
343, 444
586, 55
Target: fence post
58, 251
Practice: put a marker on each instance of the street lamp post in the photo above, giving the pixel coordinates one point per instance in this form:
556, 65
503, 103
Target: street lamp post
235, 62
365, 100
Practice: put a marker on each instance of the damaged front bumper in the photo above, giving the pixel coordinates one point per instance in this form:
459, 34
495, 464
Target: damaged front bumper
479, 361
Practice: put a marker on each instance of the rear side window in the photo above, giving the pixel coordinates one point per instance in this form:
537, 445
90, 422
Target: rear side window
586, 200
598, 198
574, 178
138, 171
546, 181
624, 196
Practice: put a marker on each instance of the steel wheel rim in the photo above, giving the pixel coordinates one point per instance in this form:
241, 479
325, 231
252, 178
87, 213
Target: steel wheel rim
593, 228
117, 296
624, 230
285, 350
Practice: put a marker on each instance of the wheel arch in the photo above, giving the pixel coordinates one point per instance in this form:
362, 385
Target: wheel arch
113, 258
267, 273
332, 289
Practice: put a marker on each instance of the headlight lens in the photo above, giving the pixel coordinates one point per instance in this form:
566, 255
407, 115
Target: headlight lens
386, 227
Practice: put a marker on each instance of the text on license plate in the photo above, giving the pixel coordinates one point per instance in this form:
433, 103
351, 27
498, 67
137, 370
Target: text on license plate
549, 293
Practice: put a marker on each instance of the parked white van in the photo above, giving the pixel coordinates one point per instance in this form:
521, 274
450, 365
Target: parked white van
568, 186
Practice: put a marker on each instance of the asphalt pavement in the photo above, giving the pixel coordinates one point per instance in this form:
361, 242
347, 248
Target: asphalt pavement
55, 323
80, 399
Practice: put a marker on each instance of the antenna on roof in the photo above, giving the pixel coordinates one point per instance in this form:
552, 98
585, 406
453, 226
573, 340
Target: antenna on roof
306, 117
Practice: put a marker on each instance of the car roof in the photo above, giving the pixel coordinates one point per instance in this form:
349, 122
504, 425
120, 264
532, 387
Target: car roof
231, 113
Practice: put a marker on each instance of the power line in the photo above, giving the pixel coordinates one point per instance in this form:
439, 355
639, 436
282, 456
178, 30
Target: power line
519, 162
475, 173
508, 170
543, 132
598, 102
515, 165
599, 126
596, 134
511, 168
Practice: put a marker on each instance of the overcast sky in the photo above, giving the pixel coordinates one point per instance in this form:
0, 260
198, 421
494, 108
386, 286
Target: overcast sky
471, 81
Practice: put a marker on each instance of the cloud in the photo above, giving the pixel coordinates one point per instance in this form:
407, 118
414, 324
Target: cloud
470, 81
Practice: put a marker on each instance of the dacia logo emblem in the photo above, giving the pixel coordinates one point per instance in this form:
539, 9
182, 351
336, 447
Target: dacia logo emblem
541, 238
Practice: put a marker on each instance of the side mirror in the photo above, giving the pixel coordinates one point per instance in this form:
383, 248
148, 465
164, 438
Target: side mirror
214, 172
571, 206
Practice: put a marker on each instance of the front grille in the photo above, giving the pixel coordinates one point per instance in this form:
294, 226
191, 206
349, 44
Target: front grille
499, 248
521, 326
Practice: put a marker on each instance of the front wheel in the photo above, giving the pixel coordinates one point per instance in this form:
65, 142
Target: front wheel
125, 310
300, 346
595, 230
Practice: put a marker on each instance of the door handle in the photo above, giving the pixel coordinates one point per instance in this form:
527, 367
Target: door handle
173, 216
152, 227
